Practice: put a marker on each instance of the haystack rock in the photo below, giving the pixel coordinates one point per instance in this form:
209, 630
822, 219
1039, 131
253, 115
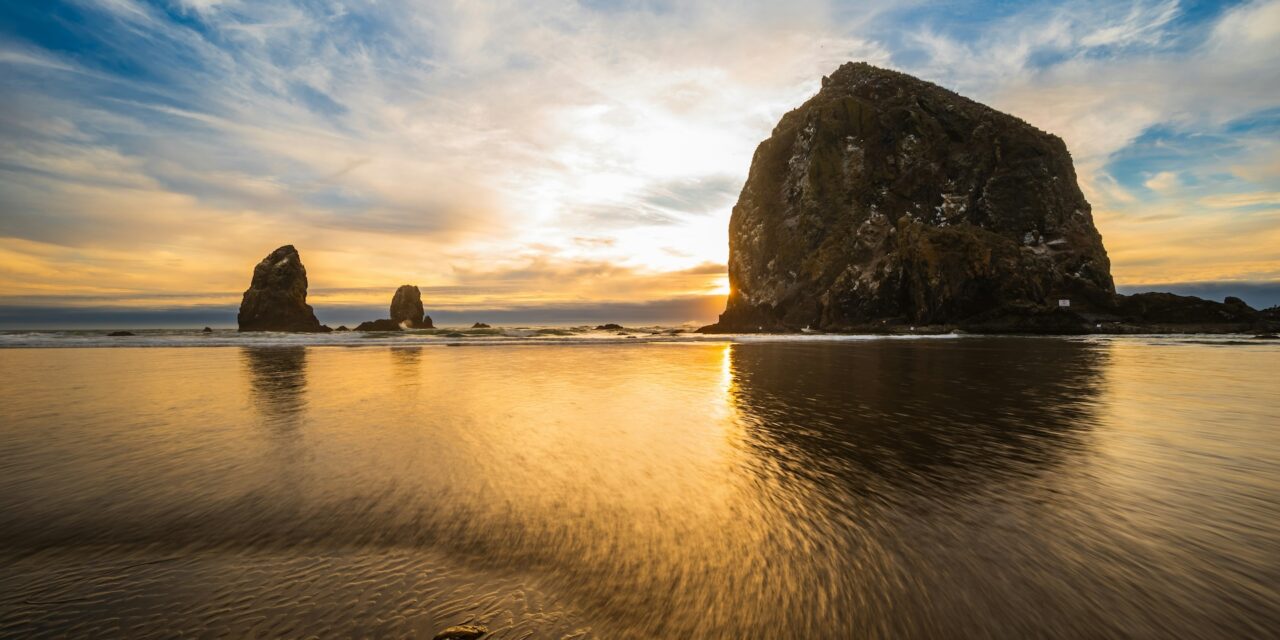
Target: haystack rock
277, 298
885, 199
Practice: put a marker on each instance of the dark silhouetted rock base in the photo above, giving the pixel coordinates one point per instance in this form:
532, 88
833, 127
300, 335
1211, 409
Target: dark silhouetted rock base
384, 324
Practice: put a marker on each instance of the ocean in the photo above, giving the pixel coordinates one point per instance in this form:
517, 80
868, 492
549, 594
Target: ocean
568, 483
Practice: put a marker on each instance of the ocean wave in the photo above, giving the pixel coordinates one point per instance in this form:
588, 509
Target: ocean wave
449, 337
439, 337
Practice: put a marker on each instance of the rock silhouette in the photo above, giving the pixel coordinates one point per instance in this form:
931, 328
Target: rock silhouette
885, 201
1175, 309
885, 197
385, 324
406, 305
277, 297
406, 311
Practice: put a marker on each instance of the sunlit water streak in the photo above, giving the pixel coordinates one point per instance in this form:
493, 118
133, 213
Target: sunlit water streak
975, 487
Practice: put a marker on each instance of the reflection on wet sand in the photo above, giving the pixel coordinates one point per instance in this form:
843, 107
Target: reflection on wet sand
846, 442
406, 359
277, 381
910, 411
892, 488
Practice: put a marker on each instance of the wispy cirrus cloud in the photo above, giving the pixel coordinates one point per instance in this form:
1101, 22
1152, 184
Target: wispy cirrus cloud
1236, 200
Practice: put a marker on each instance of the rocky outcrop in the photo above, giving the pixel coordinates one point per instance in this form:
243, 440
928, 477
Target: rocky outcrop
277, 297
384, 324
886, 201
406, 306
480, 325
1168, 308
406, 312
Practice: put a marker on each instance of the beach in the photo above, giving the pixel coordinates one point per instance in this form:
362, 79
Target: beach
589, 486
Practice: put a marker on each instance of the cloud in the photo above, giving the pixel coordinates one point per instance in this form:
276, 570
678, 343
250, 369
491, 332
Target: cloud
694, 195
1145, 24
1255, 24
1234, 200
1162, 181
561, 150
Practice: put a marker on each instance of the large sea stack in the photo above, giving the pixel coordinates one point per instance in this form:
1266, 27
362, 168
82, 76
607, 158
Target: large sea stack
885, 199
277, 298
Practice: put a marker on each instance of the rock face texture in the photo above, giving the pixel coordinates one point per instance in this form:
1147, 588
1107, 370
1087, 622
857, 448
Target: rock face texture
406, 305
887, 199
277, 297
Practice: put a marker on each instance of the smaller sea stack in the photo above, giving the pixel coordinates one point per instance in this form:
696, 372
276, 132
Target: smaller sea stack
406, 312
406, 306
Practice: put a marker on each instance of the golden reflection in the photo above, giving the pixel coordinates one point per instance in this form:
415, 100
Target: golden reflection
670, 490
726, 368
277, 381
1163, 402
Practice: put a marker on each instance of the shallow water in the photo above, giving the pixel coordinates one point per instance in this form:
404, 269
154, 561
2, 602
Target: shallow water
968, 487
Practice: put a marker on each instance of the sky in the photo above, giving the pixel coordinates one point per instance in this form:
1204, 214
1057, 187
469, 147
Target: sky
553, 160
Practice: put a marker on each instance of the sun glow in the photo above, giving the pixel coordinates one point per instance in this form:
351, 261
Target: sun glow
720, 286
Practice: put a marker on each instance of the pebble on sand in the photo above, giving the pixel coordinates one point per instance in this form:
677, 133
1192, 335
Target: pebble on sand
462, 632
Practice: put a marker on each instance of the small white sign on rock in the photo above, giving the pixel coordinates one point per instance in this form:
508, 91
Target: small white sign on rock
1064, 303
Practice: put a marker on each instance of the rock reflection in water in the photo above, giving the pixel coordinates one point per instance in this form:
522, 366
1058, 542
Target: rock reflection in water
277, 380
893, 488
874, 450
911, 412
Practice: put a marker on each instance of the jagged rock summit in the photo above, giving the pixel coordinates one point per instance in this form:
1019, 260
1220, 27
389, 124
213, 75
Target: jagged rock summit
888, 199
277, 297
